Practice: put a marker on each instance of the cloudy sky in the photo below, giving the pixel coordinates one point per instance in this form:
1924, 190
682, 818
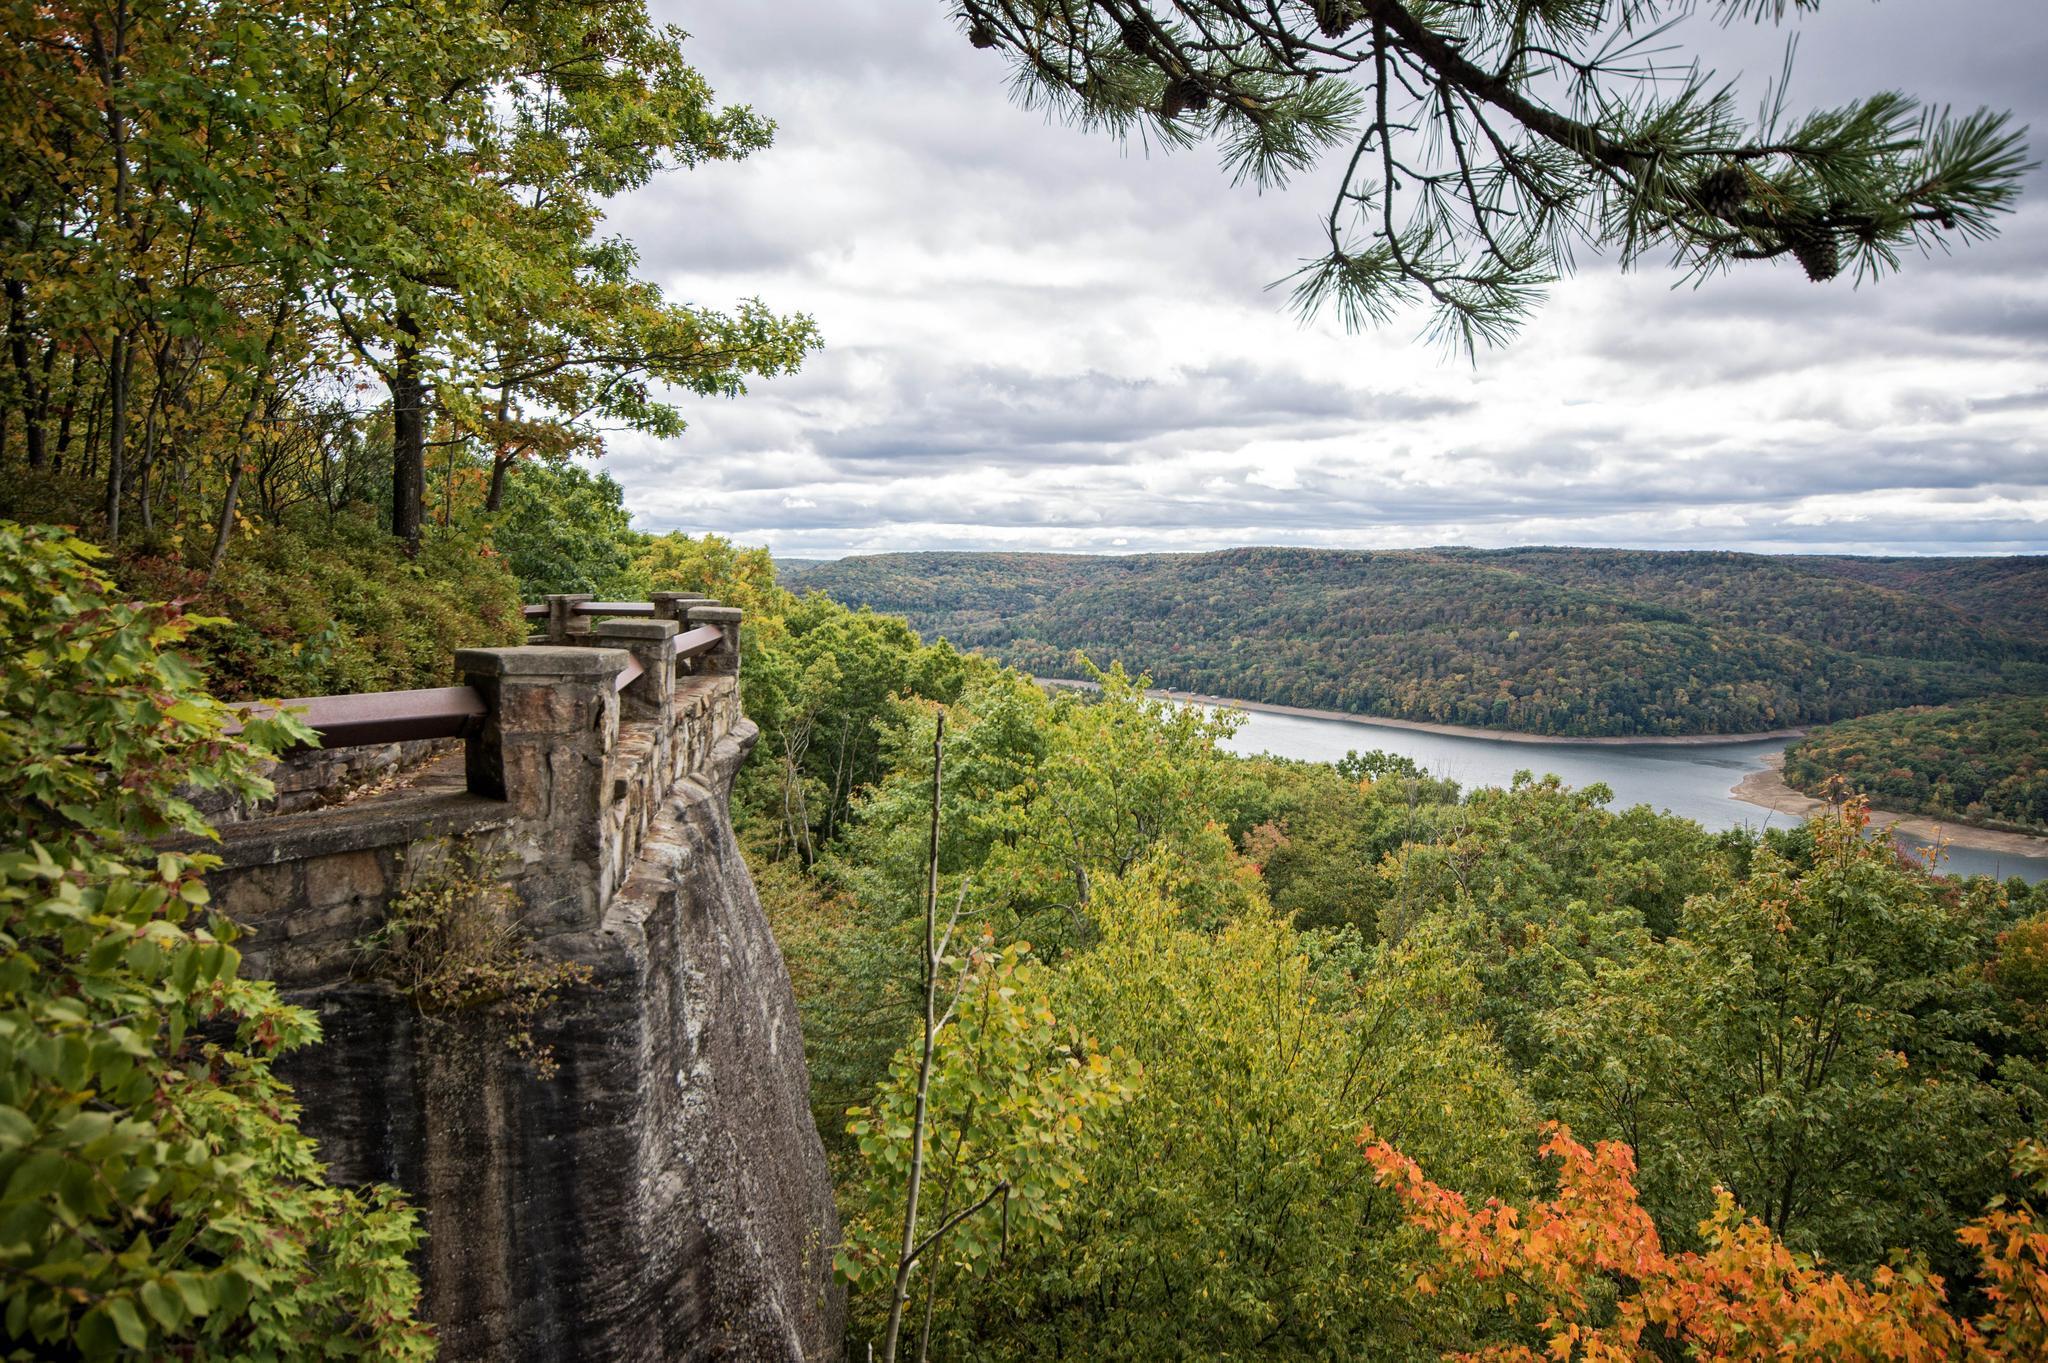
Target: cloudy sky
1039, 339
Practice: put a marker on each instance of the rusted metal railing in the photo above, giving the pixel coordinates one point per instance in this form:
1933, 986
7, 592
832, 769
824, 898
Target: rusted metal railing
697, 642
382, 716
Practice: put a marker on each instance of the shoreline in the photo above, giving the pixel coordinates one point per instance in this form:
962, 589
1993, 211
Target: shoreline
1767, 789
1446, 730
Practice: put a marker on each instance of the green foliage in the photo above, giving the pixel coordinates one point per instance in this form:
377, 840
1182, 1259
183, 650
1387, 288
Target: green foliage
1014, 1105
158, 1199
1985, 761
2008, 594
2019, 973
822, 681
712, 566
231, 220
1282, 953
566, 529
1045, 796
1812, 1041
1539, 885
1275, 955
318, 604
452, 942
1582, 642
1318, 833
1223, 1214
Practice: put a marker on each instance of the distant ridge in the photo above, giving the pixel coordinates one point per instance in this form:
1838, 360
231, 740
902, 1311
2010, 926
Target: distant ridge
1587, 642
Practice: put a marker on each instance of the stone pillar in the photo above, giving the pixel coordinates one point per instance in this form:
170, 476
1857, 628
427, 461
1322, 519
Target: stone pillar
725, 659
652, 695
562, 618
545, 748
553, 713
676, 605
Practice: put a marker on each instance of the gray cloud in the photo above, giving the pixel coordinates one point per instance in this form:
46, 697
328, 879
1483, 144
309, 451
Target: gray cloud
1039, 339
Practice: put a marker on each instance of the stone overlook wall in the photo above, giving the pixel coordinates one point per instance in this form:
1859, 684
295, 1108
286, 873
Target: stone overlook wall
664, 1195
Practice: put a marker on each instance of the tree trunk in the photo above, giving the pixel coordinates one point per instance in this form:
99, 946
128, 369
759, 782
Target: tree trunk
64, 413
243, 427
162, 392
45, 390
408, 437
500, 465
25, 375
92, 428
906, 1259
502, 457
113, 69
117, 431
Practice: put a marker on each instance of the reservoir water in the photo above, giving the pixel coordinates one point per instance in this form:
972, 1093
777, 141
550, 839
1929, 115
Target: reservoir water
1690, 781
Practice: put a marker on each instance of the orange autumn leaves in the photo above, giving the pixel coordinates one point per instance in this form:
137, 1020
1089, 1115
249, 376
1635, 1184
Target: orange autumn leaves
1588, 1273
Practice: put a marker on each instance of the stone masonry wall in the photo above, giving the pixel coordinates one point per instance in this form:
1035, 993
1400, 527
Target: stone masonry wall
664, 1195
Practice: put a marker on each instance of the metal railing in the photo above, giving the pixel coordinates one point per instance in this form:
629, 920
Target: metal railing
375, 717
382, 716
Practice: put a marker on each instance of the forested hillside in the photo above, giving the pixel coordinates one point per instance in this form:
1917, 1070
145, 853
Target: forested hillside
1983, 761
2005, 593
1556, 641
1225, 1054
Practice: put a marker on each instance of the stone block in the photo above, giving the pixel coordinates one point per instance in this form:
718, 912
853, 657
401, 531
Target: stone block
563, 621
557, 697
634, 630
543, 660
528, 777
647, 697
259, 893
675, 605
569, 712
725, 659
345, 877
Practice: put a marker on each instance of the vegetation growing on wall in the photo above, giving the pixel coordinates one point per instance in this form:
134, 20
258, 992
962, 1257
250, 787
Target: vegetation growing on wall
452, 942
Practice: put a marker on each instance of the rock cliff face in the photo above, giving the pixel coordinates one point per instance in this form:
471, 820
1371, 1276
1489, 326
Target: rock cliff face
664, 1195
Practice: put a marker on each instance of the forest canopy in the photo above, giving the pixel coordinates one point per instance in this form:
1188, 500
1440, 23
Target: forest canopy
1580, 642
1982, 761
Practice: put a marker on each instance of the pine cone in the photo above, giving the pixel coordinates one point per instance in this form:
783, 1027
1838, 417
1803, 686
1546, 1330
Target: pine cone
1334, 17
1184, 95
1813, 246
981, 35
1722, 192
1136, 36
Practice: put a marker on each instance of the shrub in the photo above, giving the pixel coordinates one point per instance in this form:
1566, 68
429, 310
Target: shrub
316, 604
453, 941
158, 1197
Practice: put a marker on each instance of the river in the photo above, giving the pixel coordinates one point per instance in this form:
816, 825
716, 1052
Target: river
1692, 781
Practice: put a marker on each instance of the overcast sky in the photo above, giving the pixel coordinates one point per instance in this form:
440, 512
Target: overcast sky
1038, 339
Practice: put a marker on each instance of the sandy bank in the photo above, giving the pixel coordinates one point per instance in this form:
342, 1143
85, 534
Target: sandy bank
1767, 788
1449, 730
